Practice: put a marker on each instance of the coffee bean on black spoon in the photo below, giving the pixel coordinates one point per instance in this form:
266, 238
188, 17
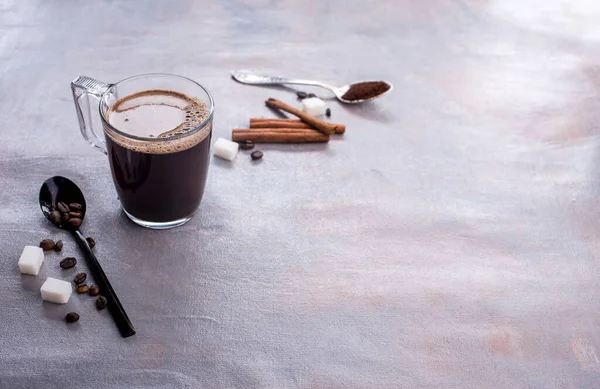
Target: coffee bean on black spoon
82, 288
54, 217
301, 95
257, 155
62, 207
75, 207
68, 263
311, 95
75, 222
328, 112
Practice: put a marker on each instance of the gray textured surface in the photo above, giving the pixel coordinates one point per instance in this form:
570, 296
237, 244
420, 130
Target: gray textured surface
450, 240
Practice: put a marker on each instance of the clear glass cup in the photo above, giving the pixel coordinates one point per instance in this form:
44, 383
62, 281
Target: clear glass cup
160, 181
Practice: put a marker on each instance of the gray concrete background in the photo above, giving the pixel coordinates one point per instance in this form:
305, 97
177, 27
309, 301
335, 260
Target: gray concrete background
450, 239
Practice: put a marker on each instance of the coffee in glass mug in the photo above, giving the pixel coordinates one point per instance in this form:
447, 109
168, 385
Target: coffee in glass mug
156, 132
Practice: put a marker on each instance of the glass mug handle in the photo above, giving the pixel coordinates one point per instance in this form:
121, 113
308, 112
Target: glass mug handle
83, 89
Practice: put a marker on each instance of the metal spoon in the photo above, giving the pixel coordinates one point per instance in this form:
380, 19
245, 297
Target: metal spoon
60, 189
247, 77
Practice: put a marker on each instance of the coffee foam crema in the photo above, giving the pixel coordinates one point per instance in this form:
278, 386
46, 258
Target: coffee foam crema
164, 115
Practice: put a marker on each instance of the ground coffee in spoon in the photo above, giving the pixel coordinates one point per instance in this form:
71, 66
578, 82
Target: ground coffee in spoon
366, 90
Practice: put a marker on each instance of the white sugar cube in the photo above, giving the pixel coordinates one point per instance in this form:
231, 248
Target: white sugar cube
56, 291
313, 106
225, 149
31, 260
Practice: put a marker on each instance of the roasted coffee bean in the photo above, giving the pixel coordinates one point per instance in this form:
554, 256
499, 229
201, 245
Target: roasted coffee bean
94, 290
68, 263
79, 278
75, 207
72, 317
82, 288
301, 95
54, 217
311, 95
75, 222
328, 112
257, 155
47, 244
75, 214
101, 302
246, 145
65, 217
62, 207
58, 246
91, 242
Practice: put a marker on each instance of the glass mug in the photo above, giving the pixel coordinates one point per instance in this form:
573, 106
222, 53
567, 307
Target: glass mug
157, 131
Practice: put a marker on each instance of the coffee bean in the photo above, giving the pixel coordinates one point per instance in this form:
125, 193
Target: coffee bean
47, 244
101, 302
75, 207
72, 317
94, 290
65, 217
79, 278
246, 145
54, 217
328, 112
75, 214
301, 95
257, 155
311, 95
68, 263
58, 246
62, 207
91, 242
75, 222
83, 288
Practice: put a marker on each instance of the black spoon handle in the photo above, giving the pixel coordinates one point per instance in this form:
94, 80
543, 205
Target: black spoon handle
114, 305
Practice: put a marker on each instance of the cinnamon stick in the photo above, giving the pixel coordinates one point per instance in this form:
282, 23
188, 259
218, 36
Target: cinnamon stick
276, 135
286, 123
278, 120
281, 129
324, 127
273, 124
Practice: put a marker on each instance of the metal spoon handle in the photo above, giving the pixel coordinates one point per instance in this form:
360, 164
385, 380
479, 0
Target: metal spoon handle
114, 305
246, 77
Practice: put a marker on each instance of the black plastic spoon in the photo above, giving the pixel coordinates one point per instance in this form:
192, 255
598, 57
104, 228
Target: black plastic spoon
60, 189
